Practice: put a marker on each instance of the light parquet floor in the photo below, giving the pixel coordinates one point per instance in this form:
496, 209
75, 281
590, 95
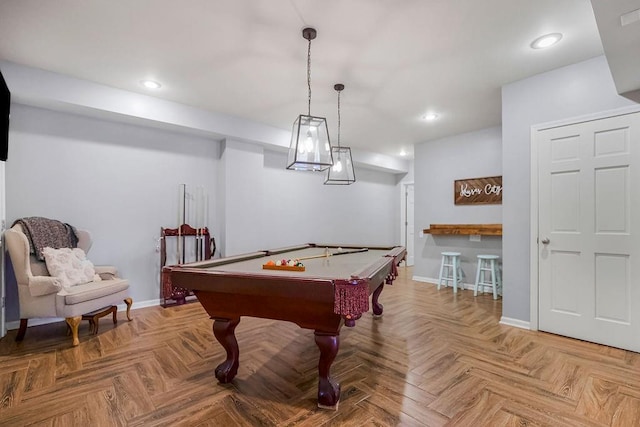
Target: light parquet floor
433, 359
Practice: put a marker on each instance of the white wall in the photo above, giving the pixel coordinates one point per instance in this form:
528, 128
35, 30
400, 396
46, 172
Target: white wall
241, 198
267, 206
438, 164
571, 91
362, 213
118, 181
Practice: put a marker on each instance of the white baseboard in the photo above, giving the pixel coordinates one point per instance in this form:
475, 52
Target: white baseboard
517, 323
15, 324
425, 279
33, 322
155, 302
142, 304
434, 281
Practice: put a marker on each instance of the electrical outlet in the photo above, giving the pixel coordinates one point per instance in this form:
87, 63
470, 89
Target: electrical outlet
474, 238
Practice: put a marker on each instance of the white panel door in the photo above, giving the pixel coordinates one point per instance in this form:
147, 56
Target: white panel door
409, 224
589, 231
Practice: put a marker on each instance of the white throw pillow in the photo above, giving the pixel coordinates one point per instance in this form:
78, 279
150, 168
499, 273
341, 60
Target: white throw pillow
71, 266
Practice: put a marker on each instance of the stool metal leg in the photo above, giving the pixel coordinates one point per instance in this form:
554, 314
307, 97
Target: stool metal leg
493, 278
475, 288
441, 272
455, 267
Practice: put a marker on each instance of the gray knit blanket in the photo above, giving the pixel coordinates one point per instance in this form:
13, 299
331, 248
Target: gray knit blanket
44, 232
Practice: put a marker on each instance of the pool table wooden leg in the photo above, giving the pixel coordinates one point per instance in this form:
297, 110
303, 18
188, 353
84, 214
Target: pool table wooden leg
223, 329
377, 307
328, 390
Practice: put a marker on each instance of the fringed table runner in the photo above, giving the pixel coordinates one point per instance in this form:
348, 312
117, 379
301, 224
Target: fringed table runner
392, 274
351, 298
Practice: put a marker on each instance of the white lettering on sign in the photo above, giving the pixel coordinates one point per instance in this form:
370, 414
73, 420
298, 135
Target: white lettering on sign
492, 189
466, 191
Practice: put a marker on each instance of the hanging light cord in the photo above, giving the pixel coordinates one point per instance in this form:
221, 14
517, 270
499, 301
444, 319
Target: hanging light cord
338, 119
309, 75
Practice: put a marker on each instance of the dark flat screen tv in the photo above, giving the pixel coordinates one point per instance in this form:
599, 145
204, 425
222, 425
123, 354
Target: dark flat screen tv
5, 105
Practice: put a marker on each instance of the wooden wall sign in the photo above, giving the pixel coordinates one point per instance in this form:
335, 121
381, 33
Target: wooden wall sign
478, 191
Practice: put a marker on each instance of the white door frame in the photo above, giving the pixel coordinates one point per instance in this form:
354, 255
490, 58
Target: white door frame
533, 240
403, 212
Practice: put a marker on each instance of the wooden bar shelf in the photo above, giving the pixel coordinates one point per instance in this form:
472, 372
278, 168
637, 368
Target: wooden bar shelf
465, 229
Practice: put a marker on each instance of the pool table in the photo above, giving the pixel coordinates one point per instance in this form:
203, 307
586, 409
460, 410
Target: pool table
333, 290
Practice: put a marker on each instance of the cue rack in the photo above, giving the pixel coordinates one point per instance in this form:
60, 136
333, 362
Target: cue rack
205, 247
184, 244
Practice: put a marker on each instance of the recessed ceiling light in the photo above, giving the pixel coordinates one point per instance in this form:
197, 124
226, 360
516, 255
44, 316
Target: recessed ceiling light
150, 84
430, 117
403, 153
546, 41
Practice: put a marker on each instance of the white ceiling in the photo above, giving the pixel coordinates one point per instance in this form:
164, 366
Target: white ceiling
398, 59
619, 25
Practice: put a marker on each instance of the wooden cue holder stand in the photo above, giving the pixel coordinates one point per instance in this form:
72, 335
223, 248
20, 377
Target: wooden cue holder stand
205, 247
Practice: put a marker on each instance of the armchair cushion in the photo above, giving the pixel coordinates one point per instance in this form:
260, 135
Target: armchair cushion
70, 266
43, 285
106, 272
92, 291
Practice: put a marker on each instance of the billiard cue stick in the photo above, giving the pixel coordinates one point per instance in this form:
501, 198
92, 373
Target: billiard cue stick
182, 189
198, 222
334, 254
197, 240
184, 219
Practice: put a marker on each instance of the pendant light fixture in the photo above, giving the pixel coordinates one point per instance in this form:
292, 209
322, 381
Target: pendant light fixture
342, 172
310, 148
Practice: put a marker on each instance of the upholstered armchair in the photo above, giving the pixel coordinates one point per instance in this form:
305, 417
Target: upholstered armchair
42, 295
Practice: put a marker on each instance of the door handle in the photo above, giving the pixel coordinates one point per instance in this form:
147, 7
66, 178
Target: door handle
545, 241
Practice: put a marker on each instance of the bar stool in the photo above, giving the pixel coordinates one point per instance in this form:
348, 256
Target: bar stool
487, 264
450, 270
